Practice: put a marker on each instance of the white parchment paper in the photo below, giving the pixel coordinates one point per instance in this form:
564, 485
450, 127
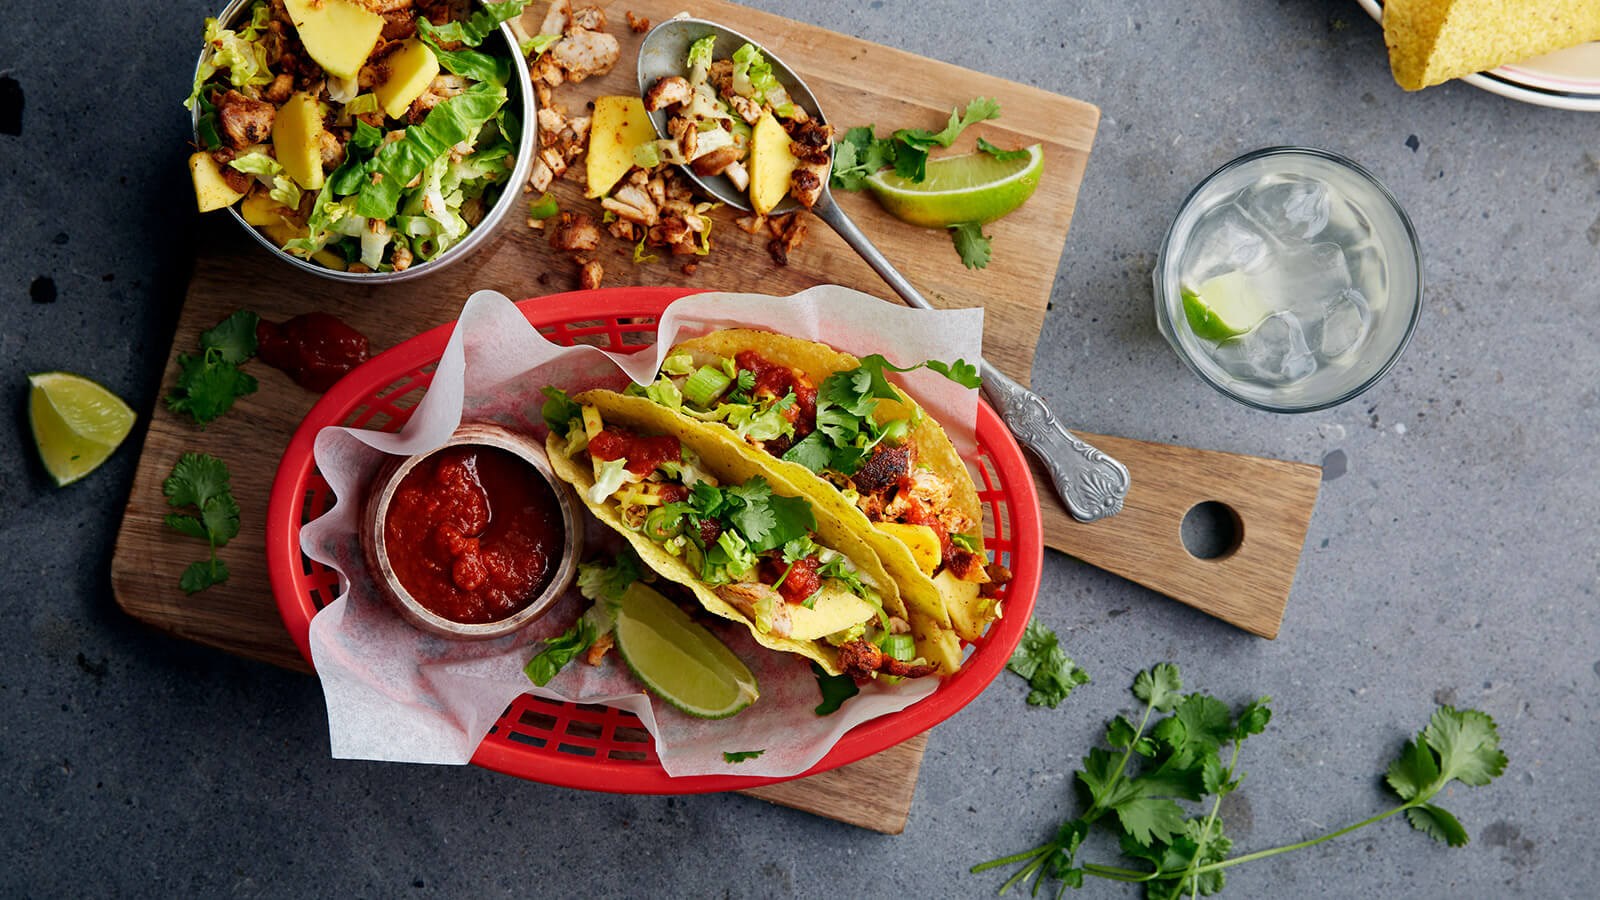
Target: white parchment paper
395, 693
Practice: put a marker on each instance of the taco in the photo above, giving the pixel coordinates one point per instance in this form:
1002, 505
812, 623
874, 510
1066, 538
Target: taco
705, 514
836, 429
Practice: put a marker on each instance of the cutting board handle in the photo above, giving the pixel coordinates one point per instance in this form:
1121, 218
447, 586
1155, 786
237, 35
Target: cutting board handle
1248, 584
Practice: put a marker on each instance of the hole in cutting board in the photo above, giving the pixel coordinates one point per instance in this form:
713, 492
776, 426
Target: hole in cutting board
1212, 530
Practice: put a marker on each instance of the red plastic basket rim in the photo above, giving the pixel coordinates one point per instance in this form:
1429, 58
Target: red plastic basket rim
284, 559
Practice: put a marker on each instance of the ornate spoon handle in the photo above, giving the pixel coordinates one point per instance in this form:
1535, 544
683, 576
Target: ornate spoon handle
1092, 483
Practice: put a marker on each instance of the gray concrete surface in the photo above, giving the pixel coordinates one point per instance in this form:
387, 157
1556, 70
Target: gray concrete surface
1455, 559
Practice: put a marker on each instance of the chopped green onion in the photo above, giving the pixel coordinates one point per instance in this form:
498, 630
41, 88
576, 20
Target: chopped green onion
705, 386
899, 646
543, 208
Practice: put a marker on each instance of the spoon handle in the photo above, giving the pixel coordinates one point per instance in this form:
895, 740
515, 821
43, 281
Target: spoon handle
1091, 483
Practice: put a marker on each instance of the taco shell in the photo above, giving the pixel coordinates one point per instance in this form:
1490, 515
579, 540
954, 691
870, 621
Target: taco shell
941, 615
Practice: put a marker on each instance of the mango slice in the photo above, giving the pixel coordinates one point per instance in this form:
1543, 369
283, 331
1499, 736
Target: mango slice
771, 164
297, 140
411, 69
619, 125
338, 34
210, 190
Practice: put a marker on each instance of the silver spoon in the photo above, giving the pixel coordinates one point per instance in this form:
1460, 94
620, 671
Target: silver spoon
1091, 483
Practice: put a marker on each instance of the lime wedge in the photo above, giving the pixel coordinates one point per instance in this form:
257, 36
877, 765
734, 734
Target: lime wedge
76, 423
974, 187
1223, 307
678, 660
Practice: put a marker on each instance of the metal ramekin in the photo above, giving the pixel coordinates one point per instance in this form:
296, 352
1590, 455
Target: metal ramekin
375, 511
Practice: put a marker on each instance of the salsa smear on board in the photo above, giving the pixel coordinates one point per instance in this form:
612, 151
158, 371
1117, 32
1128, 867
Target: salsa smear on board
315, 349
473, 533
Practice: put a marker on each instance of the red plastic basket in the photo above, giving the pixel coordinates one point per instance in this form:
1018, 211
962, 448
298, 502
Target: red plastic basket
594, 747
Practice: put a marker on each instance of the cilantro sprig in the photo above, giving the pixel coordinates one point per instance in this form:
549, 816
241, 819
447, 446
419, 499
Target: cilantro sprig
1133, 790
209, 383
1050, 673
202, 482
862, 152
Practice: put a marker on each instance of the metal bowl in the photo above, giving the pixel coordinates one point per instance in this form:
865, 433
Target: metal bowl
375, 512
510, 195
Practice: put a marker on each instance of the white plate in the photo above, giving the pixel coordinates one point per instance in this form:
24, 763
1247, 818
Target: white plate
1566, 79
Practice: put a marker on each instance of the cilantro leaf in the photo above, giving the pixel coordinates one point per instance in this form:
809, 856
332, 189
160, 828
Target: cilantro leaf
765, 520
196, 479
1198, 727
234, 337
1468, 744
977, 111
812, 451
739, 756
1050, 673
973, 245
960, 371
1150, 819
188, 526
1438, 824
203, 574
1002, 155
207, 385
836, 689
220, 519
1159, 687
560, 650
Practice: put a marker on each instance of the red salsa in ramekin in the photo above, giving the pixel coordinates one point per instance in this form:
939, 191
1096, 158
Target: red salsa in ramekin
473, 533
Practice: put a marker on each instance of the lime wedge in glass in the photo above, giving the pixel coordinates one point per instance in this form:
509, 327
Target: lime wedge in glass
973, 187
1223, 307
677, 659
76, 423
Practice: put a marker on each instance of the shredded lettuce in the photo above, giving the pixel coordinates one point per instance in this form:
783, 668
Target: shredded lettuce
699, 62
678, 364
396, 164
641, 255
256, 162
577, 438
752, 74
236, 51
535, 46
611, 475
736, 558
476, 27
285, 191
665, 393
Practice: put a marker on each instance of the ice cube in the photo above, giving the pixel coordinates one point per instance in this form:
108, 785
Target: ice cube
1344, 324
1369, 273
1222, 241
1291, 209
1302, 278
1274, 352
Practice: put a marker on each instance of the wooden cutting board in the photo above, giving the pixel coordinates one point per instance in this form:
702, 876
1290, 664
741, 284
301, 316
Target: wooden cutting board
848, 76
